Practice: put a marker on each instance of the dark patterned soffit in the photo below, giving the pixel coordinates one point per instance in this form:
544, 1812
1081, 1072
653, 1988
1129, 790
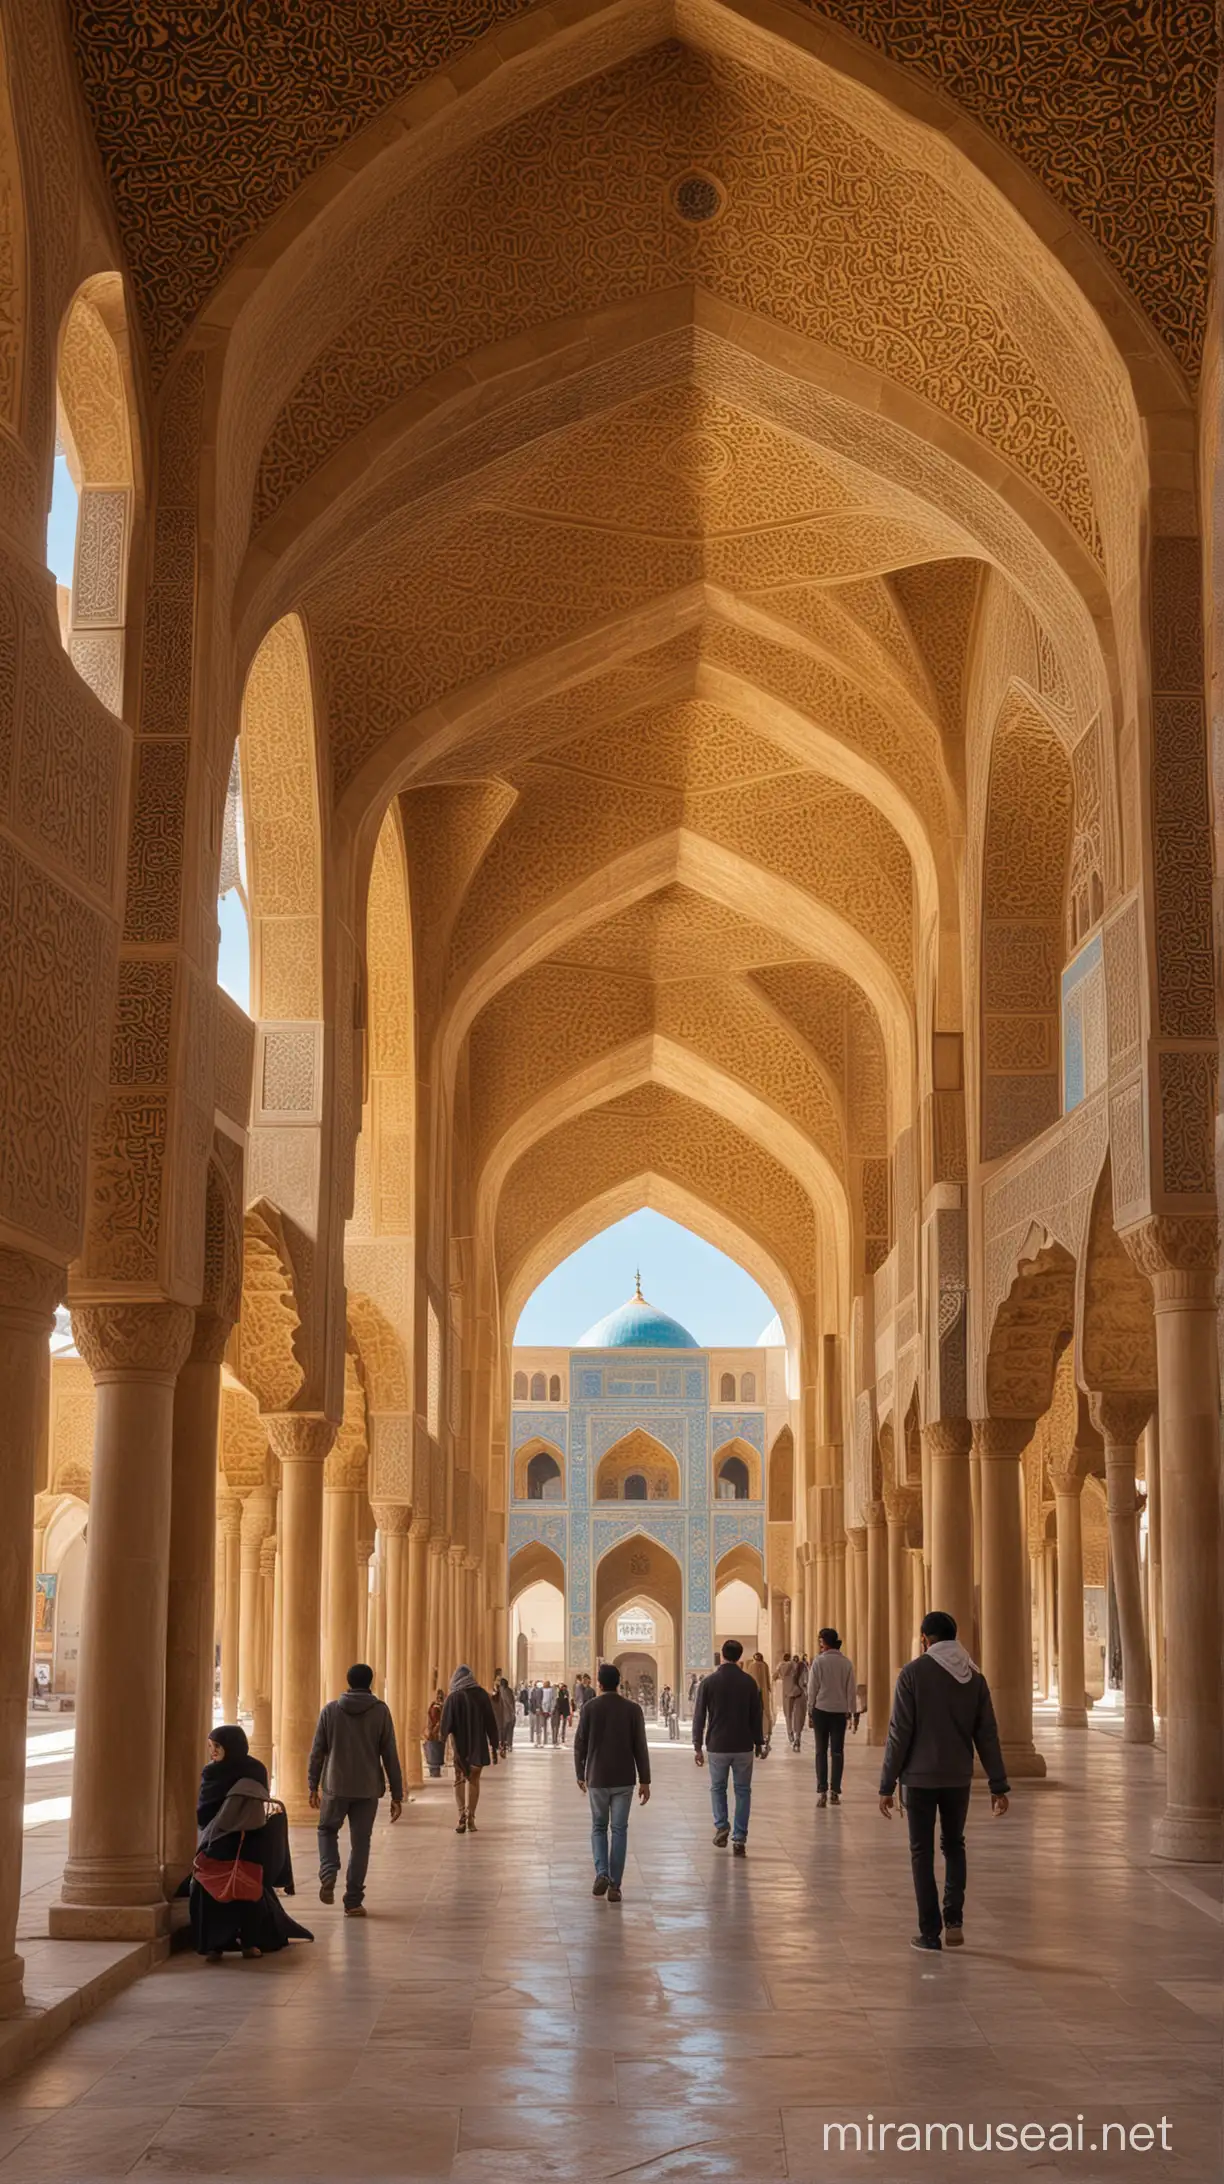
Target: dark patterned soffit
208, 116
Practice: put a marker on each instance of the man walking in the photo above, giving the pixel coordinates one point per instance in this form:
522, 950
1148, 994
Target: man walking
789, 1672
832, 1697
610, 1755
941, 1714
352, 1760
758, 1669
468, 1719
727, 1721
535, 1713
548, 1707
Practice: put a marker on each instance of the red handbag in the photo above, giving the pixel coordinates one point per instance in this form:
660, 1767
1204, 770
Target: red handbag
229, 1881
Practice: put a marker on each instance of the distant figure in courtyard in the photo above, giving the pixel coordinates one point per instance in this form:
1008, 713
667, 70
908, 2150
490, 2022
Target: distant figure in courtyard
610, 1755
548, 1704
352, 1760
727, 1722
234, 1822
469, 1721
435, 1750
790, 1674
561, 1715
694, 1680
758, 1669
583, 1693
535, 1713
669, 1711
505, 1707
941, 1715
832, 1700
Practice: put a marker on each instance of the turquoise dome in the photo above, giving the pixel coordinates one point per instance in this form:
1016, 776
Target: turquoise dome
637, 1326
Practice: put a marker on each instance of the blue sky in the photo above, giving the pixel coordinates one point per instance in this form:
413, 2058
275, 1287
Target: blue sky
61, 523
707, 1292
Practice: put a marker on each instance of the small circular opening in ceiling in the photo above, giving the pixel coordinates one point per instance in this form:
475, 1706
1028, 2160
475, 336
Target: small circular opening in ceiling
697, 198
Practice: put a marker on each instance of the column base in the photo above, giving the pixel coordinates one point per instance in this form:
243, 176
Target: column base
1023, 1761
1073, 1717
12, 1992
1189, 1836
1138, 1726
108, 1921
299, 1811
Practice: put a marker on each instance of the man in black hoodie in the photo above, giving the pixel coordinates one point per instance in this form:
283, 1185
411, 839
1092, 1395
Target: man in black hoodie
728, 1721
941, 1715
610, 1755
352, 1760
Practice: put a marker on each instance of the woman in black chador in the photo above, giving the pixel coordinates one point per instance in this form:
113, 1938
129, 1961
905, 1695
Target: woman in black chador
231, 1812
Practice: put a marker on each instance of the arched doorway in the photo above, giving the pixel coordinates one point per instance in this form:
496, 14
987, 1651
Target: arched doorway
535, 1598
639, 1582
739, 1597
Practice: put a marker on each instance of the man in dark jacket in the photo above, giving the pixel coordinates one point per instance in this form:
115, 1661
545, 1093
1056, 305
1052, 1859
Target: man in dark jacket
469, 1721
610, 1754
727, 1719
941, 1715
352, 1760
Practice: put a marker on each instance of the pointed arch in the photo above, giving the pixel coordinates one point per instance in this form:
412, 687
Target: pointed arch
637, 1456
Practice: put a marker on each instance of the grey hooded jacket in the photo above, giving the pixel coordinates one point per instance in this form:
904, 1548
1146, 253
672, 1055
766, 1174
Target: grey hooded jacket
353, 1745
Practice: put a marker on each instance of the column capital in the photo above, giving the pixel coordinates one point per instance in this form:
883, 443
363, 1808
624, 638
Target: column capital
229, 1514
30, 1289
1067, 1476
873, 1514
267, 1554
438, 1543
856, 1536
902, 1504
254, 1524
394, 1518
1120, 1418
1179, 1253
457, 1552
947, 1437
420, 1526
298, 1438
212, 1333
1000, 1437
118, 1339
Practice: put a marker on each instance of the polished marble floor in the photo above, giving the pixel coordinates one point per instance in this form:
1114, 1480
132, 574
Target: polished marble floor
490, 2020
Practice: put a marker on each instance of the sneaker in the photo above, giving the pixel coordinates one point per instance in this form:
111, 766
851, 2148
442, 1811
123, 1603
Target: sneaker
822, 1799
926, 1942
354, 1910
327, 1891
614, 1894
722, 1837
739, 1850
954, 1937
601, 1885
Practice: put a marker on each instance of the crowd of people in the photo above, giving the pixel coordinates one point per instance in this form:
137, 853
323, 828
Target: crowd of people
941, 1718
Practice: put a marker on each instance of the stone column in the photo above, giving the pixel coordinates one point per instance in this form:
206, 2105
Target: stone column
302, 1444
1155, 1616
255, 1525
394, 1522
947, 1443
917, 1599
1120, 1419
879, 1682
1043, 1667
1006, 1611
344, 1628
112, 1885
376, 1643
30, 1289
278, 1625
436, 1635
455, 1620
1179, 1257
856, 1590
1068, 1484
262, 1741
229, 1529
419, 1693
901, 1507
365, 1594
190, 1607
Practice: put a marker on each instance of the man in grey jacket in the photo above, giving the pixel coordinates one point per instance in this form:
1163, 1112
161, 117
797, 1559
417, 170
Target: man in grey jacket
941, 1715
352, 1761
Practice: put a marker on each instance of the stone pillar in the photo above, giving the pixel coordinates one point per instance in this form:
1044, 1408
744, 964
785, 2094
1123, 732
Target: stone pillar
30, 1289
229, 1532
262, 1741
1006, 1610
917, 1599
856, 1597
947, 1443
419, 1693
1155, 1615
1179, 1257
344, 1628
1120, 1419
365, 1592
436, 1635
799, 1610
1043, 1667
255, 1525
302, 1444
879, 1683
190, 1607
376, 1643
394, 1522
455, 1619
112, 1885
1068, 1483
902, 1507
278, 1626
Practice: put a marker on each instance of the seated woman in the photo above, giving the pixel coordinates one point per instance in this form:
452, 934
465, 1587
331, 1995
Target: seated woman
232, 1789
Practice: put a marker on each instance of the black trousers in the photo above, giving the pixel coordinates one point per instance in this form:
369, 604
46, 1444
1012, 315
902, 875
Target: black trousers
922, 1807
830, 1738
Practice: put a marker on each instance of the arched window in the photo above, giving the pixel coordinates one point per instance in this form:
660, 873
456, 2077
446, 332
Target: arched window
733, 1479
544, 1478
748, 1388
233, 907
539, 1388
554, 1388
726, 1388
635, 1487
520, 1387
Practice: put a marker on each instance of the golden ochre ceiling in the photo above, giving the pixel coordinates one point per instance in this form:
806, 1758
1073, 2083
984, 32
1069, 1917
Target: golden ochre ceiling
208, 118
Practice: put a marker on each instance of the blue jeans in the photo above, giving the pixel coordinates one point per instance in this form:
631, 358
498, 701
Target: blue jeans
610, 1806
739, 1764
361, 1813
